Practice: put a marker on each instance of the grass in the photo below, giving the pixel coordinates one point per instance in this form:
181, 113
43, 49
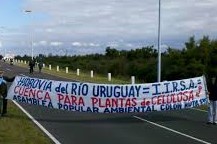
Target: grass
203, 107
84, 77
16, 128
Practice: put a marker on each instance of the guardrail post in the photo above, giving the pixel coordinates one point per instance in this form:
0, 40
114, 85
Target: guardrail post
132, 79
91, 73
67, 70
49, 67
109, 76
58, 69
78, 72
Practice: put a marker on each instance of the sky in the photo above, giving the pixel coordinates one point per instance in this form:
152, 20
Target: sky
79, 27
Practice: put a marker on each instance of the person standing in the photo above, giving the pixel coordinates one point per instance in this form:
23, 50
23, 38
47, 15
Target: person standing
31, 66
3, 90
212, 109
40, 65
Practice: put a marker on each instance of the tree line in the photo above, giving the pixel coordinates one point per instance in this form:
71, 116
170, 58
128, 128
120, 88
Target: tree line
195, 59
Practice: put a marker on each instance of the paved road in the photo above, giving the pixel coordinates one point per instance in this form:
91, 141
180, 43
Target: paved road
179, 127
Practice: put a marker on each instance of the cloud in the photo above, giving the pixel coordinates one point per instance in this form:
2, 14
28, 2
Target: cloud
56, 43
83, 44
76, 44
97, 23
49, 30
94, 45
44, 43
113, 44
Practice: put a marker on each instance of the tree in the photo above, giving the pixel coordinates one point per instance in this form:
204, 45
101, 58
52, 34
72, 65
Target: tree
111, 52
191, 44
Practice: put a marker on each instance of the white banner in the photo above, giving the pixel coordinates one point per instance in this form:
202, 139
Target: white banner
109, 98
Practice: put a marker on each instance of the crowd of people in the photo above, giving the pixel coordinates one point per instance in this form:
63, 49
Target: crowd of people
32, 64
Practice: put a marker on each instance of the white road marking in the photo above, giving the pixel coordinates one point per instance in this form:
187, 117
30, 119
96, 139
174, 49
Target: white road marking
8, 69
38, 124
169, 129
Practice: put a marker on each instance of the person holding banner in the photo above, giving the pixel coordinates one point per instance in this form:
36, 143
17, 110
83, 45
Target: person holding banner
212, 110
3, 91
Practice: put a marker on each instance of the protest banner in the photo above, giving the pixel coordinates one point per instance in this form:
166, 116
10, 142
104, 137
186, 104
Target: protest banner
109, 98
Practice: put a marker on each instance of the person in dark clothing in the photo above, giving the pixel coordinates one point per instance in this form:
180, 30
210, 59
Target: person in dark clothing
40, 65
11, 61
212, 91
31, 66
3, 90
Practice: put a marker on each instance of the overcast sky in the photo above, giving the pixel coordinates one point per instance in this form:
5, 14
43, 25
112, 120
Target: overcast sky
89, 26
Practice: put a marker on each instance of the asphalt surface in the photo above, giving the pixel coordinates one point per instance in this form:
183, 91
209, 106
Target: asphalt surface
179, 127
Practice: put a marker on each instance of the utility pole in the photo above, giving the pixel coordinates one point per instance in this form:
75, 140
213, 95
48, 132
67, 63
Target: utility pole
159, 43
31, 41
1, 29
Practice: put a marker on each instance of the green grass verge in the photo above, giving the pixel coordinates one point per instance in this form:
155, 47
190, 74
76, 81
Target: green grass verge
16, 128
203, 107
84, 77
